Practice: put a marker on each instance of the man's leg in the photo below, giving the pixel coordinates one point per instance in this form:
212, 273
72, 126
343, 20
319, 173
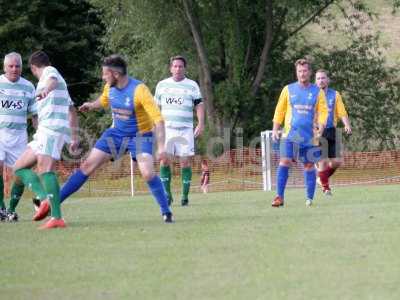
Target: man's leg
286, 153
323, 174
17, 189
3, 213
310, 181
25, 175
186, 175
145, 164
95, 159
166, 176
309, 156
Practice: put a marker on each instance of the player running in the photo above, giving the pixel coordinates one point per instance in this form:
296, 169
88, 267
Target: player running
56, 117
135, 115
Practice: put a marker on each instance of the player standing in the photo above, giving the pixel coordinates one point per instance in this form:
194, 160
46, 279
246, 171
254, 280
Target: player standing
299, 104
17, 98
177, 96
328, 166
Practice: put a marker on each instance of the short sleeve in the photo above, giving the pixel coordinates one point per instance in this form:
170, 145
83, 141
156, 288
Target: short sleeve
104, 99
145, 98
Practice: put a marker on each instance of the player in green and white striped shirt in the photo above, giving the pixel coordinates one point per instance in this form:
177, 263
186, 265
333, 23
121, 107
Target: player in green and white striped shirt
177, 96
56, 118
17, 102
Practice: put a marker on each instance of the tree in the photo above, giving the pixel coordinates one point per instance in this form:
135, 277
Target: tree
244, 50
69, 31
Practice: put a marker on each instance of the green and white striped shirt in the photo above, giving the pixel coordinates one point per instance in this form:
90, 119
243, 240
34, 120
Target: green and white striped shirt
176, 100
54, 109
17, 101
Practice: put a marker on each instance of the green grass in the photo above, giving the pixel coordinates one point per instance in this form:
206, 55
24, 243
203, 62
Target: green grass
223, 246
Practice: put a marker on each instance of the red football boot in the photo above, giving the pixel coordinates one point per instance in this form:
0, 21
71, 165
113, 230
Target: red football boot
43, 211
278, 201
53, 223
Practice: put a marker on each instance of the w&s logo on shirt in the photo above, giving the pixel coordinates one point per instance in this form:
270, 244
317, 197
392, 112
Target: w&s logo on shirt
11, 104
173, 100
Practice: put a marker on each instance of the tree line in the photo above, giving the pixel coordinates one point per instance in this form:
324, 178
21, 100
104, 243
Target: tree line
241, 52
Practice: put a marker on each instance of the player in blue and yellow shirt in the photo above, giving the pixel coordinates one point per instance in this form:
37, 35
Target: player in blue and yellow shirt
135, 114
299, 106
331, 158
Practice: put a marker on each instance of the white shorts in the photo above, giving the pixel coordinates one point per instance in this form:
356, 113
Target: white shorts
46, 144
179, 141
11, 148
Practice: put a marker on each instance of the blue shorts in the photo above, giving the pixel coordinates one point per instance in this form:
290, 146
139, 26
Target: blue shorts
299, 152
117, 144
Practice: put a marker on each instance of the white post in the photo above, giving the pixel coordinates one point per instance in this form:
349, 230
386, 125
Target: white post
269, 161
132, 176
266, 160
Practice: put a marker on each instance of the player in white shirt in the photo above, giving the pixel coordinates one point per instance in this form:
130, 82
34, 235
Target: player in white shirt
17, 103
177, 96
56, 118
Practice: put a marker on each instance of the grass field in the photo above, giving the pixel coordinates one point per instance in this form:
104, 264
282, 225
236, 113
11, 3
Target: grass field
229, 245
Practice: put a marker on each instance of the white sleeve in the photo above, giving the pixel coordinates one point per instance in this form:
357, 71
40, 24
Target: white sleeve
157, 95
196, 91
49, 72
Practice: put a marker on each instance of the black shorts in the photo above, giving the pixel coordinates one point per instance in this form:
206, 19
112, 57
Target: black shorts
330, 147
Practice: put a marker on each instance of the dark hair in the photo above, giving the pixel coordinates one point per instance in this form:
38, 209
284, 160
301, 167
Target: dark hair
323, 71
302, 62
177, 57
115, 62
39, 59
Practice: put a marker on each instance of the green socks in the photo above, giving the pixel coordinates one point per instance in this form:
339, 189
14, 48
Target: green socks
2, 204
186, 179
32, 181
50, 188
165, 176
16, 192
50, 183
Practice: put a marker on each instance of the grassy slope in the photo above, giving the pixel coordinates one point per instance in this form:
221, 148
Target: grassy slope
224, 246
386, 23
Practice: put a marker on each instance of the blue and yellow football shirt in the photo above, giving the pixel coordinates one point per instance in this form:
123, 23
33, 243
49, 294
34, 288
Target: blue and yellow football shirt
133, 107
299, 107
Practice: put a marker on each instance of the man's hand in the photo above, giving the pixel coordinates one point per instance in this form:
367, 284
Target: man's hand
275, 135
85, 107
198, 130
347, 129
42, 94
73, 147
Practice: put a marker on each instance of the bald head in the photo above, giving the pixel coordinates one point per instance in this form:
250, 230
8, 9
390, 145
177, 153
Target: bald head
12, 66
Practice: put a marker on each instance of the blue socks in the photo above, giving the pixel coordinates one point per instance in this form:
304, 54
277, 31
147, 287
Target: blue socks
310, 178
74, 183
281, 179
157, 189
76, 180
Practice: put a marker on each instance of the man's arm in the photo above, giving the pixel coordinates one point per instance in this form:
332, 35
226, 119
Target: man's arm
322, 112
73, 124
34, 121
50, 85
280, 113
200, 112
159, 131
342, 113
94, 105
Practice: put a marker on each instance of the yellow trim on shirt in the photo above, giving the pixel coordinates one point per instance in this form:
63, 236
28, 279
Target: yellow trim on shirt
147, 112
340, 109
